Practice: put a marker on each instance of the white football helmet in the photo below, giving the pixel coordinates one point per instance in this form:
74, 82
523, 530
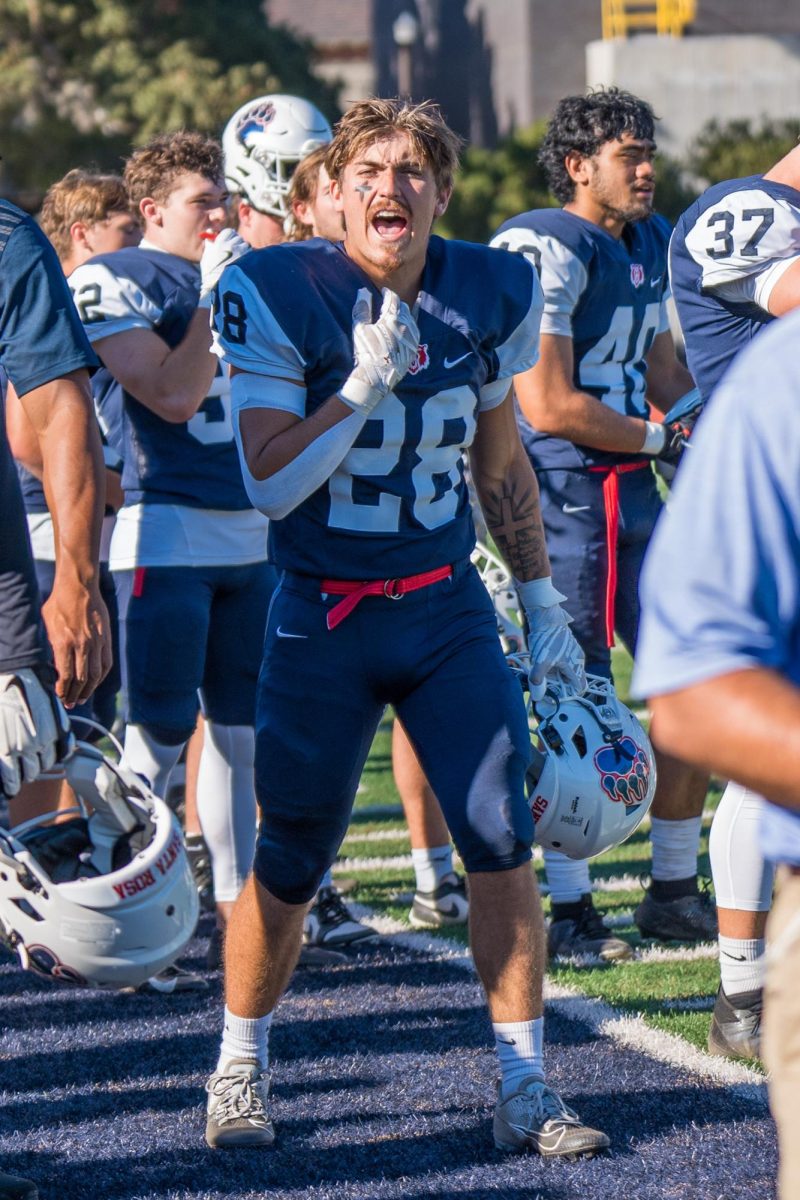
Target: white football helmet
500, 586
264, 141
106, 898
592, 777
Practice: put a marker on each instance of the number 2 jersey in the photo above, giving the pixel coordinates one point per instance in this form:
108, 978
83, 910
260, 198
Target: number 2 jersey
398, 503
185, 500
727, 252
609, 296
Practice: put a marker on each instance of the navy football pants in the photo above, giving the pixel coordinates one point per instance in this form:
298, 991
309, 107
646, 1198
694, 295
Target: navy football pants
185, 630
573, 512
435, 655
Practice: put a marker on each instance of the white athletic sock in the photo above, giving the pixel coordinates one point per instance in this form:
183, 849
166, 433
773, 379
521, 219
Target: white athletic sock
432, 865
520, 1051
675, 846
567, 878
245, 1038
742, 964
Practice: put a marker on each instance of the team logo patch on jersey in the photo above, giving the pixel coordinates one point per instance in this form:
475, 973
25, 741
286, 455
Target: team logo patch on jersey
255, 120
421, 361
624, 772
637, 274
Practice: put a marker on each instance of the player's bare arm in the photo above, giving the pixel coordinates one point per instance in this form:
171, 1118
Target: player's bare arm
509, 493
667, 378
271, 438
22, 437
62, 415
744, 725
552, 404
171, 382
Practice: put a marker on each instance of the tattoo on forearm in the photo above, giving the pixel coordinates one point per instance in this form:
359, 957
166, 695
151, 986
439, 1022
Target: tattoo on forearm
514, 520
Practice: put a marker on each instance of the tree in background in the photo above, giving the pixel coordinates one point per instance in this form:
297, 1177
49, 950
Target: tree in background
83, 80
494, 185
737, 149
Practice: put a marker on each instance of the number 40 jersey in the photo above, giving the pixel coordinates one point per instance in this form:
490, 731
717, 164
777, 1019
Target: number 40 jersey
727, 252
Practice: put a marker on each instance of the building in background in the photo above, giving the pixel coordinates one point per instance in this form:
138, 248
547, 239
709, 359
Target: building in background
499, 65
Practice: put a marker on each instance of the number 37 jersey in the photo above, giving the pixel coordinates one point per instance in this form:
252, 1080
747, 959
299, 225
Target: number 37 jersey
397, 504
727, 252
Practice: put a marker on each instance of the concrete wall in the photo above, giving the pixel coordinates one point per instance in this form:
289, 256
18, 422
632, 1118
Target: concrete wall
690, 81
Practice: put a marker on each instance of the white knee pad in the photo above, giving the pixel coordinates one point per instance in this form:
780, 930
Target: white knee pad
742, 879
567, 878
150, 758
226, 804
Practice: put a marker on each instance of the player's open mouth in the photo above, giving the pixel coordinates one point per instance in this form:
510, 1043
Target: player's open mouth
390, 223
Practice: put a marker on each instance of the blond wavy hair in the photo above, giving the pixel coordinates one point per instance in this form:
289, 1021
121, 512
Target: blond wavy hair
80, 196
372, 120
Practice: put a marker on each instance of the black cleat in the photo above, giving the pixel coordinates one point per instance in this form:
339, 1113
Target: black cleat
688, 918
587, 933
736, 1025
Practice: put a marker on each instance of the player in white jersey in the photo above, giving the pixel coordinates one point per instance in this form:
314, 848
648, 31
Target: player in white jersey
734, 259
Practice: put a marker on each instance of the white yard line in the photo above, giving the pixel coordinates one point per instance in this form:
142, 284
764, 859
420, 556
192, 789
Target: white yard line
605, 1021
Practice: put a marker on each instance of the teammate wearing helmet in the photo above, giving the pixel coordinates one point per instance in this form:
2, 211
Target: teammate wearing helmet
586, 425
263, 142
45, 355
359, 465
188, 549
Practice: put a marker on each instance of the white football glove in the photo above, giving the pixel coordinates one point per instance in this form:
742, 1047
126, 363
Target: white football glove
34, 729
555, 656
218, 253
383, 349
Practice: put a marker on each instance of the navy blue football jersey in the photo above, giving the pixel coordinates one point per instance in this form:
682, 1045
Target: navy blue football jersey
191, 463
40, 339
608, 295
727, 252
398, 503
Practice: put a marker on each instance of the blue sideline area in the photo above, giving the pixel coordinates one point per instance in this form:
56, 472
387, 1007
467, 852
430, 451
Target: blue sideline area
383, 1088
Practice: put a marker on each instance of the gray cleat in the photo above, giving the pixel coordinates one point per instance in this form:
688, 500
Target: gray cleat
736, 1025
536, 1119
690, 918
446, 905
237, 1107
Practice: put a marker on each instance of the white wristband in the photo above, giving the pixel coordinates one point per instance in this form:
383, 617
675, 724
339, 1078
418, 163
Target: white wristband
538, 593
655, 438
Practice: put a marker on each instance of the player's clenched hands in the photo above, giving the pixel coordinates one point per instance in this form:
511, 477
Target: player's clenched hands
218, 253
555, 655
383, 349
34, 730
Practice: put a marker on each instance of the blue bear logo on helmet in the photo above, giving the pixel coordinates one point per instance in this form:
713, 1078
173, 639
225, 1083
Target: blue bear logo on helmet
254, 120
624, 772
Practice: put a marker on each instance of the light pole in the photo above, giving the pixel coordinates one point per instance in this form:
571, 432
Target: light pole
405, 32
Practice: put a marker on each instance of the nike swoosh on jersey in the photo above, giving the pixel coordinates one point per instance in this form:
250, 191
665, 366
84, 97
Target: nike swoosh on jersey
282, 633
574, 508
655, 282
453, 362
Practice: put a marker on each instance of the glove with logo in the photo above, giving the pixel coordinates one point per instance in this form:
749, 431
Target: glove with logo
219, 252
34, 729
678, 425
383, 350
555, 656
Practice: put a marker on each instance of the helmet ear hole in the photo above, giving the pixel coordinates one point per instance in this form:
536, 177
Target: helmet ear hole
579, 741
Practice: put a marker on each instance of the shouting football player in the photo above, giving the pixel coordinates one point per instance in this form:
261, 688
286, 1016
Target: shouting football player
360, 372
585, 423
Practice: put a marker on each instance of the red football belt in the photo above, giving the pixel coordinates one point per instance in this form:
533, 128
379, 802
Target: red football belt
355, 590
611, 500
